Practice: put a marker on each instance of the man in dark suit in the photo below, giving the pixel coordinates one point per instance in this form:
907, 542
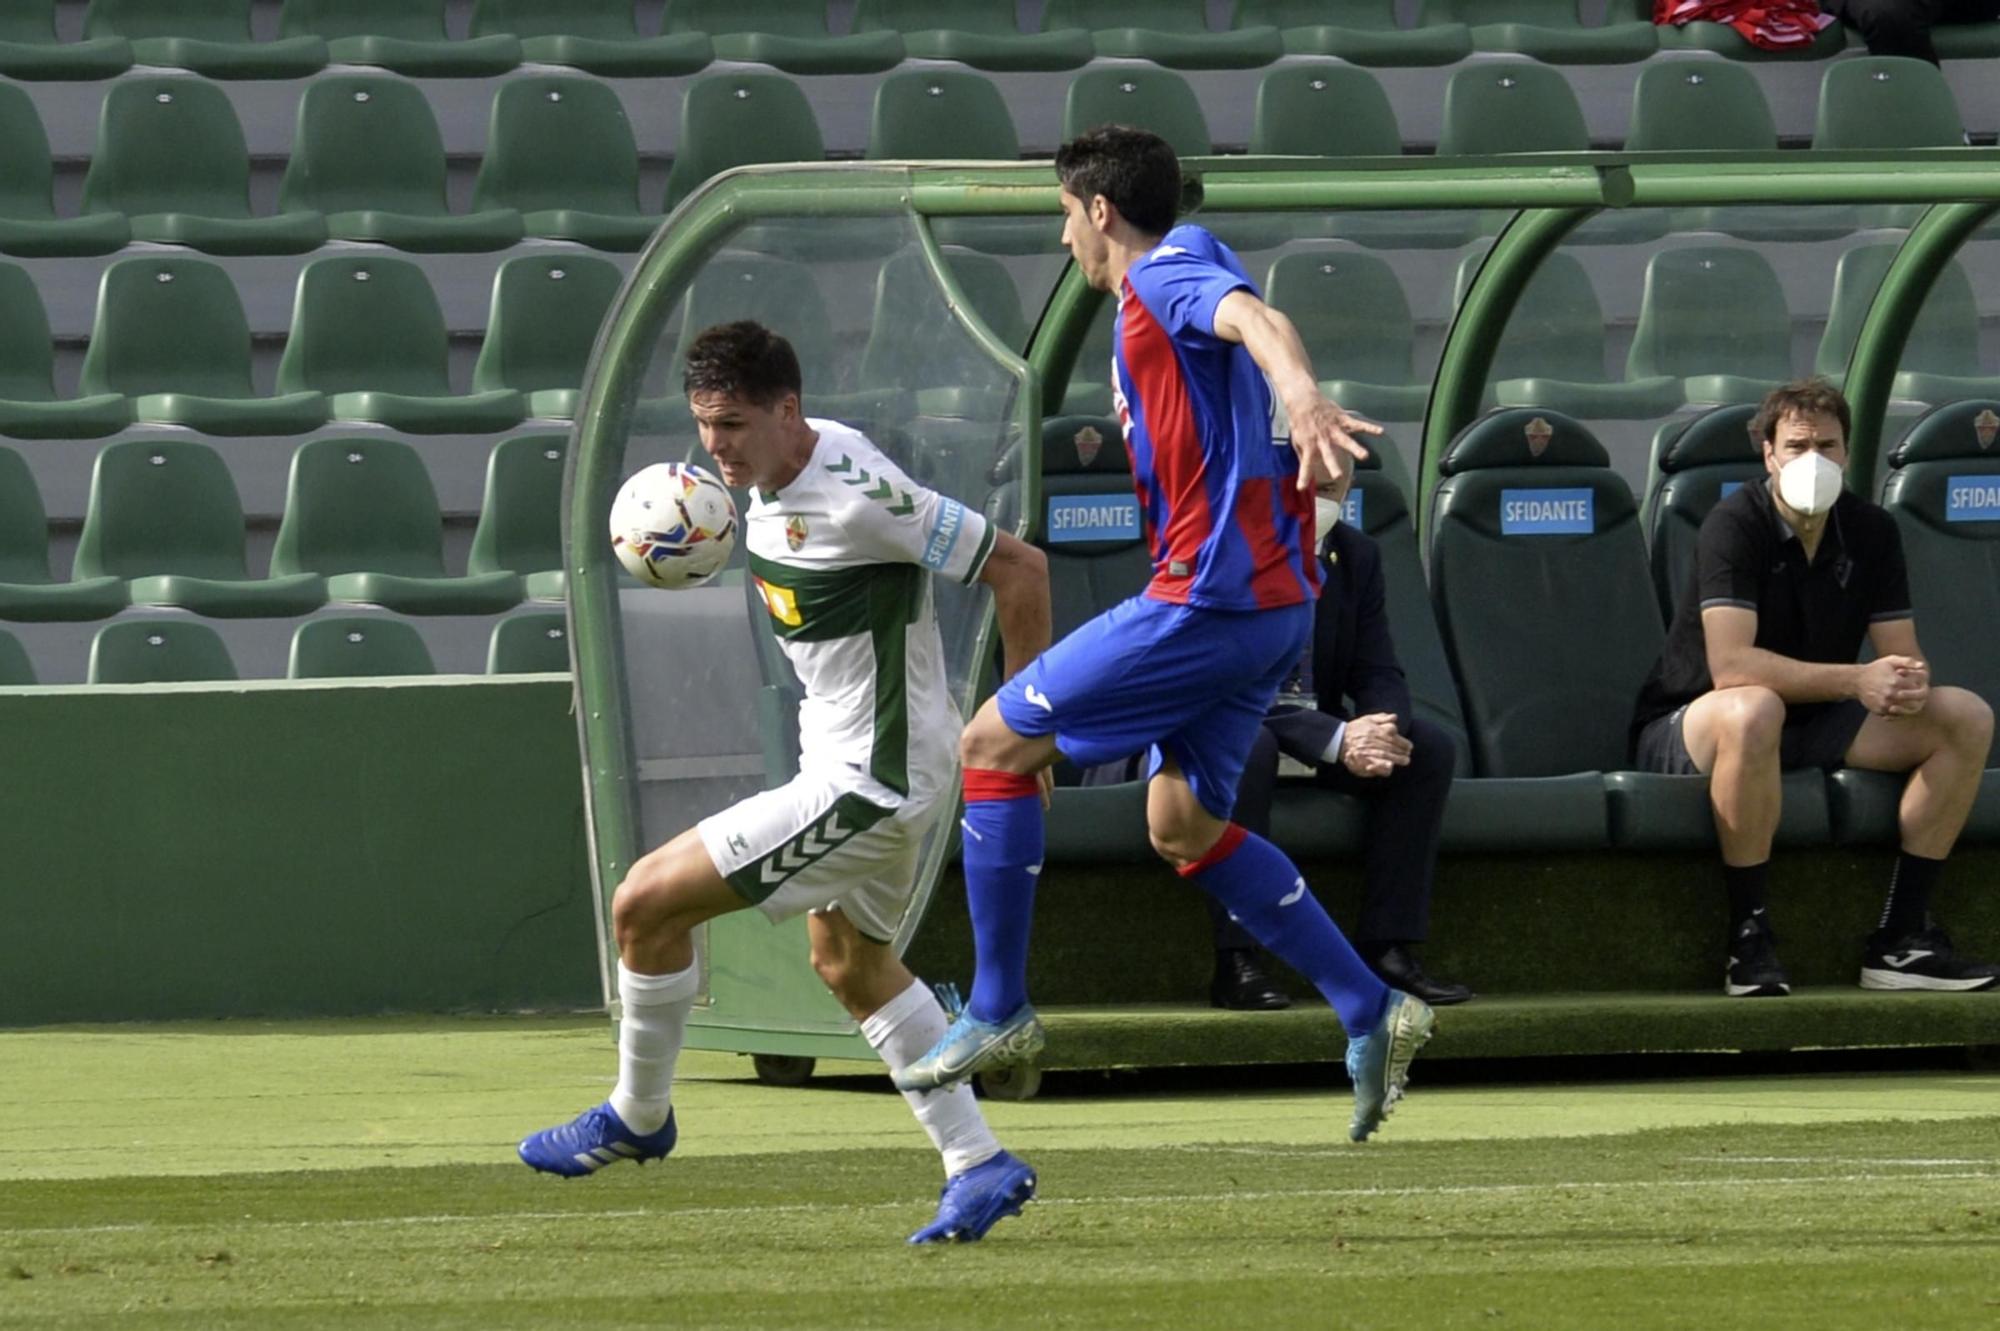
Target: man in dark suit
1374, 749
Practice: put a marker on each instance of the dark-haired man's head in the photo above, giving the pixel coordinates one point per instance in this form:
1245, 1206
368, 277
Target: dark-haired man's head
1119, 186
743, 384
1794, 420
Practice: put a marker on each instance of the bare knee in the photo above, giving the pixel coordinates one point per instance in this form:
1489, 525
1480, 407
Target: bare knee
642, 906
988, 743
1749, 720
1965, 720
1181, 836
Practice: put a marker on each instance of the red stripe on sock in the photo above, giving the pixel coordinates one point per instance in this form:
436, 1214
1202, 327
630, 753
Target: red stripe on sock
983, 783
1225, 846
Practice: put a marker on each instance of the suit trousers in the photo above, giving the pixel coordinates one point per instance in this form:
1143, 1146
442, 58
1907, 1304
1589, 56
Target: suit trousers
1399, 855
1903, 27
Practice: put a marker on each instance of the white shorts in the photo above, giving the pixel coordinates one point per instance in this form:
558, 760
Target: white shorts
816, 843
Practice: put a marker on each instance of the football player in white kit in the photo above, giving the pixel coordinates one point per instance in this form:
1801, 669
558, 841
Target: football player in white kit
842, 546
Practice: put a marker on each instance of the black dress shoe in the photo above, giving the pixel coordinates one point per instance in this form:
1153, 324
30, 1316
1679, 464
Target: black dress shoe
1399, 970
1240, 984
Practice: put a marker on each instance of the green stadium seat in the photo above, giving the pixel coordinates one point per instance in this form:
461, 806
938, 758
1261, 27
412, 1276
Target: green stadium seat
363, 513
784, 35
911, 346
952, 115
1167, 32
1695, 463
1362, 31
368, 155
979, 33
407, 36
1891, 103
560, 151
1552, 351
1351, 312
1966, 41
776, 292
520, 518
1726, 41
355, 647
368, 333
599, 36
1693, 106
28, 223
536, 643
29, 48
1510, 106
1940, 360
29, 407
209, 37
543, 322
27, 592
1552, 30
16, 669
170, 333
1155, 99
730, 120
158, 651
1323, 109
164, 515
170, 156
1716, 319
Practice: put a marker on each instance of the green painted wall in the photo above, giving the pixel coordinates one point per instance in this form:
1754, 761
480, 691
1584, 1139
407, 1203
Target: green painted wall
290, 849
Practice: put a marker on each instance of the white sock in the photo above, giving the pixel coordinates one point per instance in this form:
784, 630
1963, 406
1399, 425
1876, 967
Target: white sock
903, 1030
654, 1019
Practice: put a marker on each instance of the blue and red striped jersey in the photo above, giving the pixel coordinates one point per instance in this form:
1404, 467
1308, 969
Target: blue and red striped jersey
1228, 528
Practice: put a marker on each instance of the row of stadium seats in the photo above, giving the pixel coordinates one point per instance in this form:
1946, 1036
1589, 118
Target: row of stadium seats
215, 36
367, 162
165, 528
163, 651
1537, 621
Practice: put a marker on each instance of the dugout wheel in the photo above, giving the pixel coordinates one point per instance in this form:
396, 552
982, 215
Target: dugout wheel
782, 1069
1018, 1081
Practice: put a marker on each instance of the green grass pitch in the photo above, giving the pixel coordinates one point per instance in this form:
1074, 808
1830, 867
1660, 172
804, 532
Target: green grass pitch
361, 1175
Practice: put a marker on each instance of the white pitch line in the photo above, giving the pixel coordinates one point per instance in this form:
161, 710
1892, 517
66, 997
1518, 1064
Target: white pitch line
1913, 1162
1150, 1199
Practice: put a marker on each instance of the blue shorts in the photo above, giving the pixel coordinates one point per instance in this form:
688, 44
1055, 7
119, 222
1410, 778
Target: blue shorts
1147, 675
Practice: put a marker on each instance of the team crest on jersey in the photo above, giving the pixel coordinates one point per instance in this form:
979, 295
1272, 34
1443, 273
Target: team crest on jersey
780, 601
1539, 433
795, 532
1089, 443
1986, 425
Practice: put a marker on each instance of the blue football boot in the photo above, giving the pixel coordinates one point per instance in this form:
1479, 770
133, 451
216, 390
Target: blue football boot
976, 1199
970, 1045
1379, 1062
593, 1139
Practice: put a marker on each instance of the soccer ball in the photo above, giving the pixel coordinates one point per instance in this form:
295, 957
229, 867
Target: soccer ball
673, 525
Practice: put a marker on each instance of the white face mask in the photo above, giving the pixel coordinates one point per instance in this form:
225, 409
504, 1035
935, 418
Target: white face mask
1809, 483
1328, 512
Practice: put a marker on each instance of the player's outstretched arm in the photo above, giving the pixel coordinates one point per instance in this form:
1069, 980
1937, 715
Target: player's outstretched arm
1322, 432
1018, 573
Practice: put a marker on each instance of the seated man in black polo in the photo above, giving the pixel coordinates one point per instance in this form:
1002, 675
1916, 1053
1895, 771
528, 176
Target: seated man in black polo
1759, 676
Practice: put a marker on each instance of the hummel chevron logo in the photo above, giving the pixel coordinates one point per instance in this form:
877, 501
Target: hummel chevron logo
903, 507
1908, 959
1293, 897
1039, 699
796, 855
842, 467
881, 491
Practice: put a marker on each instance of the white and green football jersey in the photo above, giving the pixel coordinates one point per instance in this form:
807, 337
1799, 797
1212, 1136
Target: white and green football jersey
842, 557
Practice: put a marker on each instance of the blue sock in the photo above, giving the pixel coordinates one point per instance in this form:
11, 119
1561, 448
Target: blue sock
1264, 891
1003, 857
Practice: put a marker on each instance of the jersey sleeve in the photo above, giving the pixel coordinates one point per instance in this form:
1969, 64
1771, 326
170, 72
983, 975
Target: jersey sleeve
1182, 289
1726, 562
1889, 598
912, 525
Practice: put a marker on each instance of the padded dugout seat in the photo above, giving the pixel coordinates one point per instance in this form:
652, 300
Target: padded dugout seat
601, 36
407, 36
29, 407
1090, 527
784, 35
170, 156
1351, 313
367, 332
1940, 361
540, 328
210, 37
520, 517
1716, 319
368, 155
170, 334
529, 644
1552, 30
1552, 350
28, 223
158, 651
1362, 31
29, 48
560, 151
27, 592
1174, 33
164, 515
1696, 464
363, 513
354, 647
979, 33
